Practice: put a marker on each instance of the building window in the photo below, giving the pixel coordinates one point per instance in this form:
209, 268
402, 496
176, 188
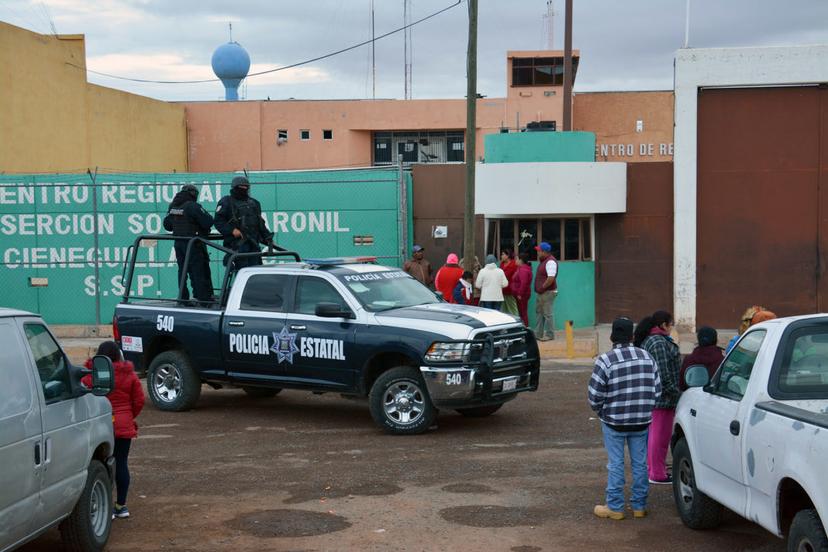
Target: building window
570, 238
542, 71
304, 134
281, 136
433, 146
327, 134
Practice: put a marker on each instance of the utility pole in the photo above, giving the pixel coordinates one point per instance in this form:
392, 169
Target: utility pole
567, 88
373, 56
471, 138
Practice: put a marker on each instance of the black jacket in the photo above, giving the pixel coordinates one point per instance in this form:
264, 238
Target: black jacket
196, 217
226, 221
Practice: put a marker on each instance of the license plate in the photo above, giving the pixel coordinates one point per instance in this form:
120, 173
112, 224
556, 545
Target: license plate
510, 384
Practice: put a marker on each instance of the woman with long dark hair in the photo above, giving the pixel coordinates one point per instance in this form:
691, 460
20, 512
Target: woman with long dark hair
653, 335
127, 399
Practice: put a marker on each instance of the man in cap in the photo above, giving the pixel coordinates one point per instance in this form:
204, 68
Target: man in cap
239, 219
418, 266
187, 218
546, 288
622, 391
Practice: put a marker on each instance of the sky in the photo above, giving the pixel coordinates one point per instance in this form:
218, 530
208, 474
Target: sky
624, 44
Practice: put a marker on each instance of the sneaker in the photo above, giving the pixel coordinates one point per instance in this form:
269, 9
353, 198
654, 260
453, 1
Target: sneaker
120, 512
667, 481
603, 511
638, 514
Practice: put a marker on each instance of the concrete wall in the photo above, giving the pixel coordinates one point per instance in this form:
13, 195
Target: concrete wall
237, 135
52, 120
613, 117
528, 147
504, 189
719, 67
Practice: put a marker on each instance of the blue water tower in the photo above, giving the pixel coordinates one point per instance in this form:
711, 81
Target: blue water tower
231, 63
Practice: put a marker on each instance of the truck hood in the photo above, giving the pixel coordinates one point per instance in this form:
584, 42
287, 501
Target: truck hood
454, 321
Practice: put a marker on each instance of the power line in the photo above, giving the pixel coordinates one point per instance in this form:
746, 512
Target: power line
286, 67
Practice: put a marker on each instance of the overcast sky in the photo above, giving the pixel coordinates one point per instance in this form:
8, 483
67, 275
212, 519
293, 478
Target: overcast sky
624, 44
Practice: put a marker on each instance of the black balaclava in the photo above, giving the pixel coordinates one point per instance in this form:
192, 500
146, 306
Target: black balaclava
240, 188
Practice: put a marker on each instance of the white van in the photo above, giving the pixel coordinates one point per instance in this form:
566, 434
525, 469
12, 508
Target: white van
56, 440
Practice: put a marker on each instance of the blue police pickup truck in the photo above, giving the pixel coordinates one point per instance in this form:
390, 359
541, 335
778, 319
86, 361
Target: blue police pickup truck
331, 325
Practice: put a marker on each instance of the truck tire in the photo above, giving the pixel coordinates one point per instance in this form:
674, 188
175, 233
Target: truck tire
261, 392
172, 383
87, 527
480, 411
399, 402
696, 509
807, 533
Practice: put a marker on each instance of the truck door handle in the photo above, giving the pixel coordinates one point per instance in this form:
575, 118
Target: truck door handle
298, 328
693, 412
235, 323
735, 427
37, 454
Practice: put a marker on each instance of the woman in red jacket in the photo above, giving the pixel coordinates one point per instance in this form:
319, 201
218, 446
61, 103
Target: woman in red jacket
127, 399
521, 286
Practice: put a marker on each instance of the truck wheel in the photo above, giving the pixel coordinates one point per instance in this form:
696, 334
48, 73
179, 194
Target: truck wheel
172, 382
87, 527
480, 411
262, 392
696, 509
399, 402
807, 533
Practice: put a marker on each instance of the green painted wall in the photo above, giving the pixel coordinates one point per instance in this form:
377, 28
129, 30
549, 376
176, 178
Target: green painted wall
528, 147
576, 295
47, 230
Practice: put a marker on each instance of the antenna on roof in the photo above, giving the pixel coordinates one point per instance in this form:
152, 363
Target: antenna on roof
550, 25
230, 24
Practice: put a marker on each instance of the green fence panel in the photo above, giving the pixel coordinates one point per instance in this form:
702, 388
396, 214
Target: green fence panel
48, 227
576, 295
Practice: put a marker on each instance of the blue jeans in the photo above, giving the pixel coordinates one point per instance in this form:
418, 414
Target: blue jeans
637, 443
495, 305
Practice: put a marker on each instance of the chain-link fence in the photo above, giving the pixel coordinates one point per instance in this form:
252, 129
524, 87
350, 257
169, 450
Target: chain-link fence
64, 238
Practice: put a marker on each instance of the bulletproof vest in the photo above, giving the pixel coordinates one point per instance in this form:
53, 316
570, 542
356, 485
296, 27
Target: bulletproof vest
181, 223
246, 215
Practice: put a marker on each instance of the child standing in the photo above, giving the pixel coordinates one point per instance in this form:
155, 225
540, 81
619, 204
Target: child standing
127, 400
464, 291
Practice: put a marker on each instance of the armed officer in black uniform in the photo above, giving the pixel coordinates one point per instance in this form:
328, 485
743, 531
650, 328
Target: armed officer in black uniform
239, 219
186, 217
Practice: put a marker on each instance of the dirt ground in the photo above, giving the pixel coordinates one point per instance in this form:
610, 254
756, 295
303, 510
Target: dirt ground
303, 472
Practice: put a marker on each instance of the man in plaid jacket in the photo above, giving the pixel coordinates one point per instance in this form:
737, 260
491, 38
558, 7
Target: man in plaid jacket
623, 390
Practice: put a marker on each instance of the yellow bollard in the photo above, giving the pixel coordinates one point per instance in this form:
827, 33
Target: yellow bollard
570, 340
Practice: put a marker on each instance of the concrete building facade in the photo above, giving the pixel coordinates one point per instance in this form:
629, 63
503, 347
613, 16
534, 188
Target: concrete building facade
52, 119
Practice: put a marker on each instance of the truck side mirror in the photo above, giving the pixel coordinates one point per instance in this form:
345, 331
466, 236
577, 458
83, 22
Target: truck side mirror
103, 376
332, 310
696, 376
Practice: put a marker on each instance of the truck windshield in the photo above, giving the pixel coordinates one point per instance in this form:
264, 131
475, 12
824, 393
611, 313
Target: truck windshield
380, 291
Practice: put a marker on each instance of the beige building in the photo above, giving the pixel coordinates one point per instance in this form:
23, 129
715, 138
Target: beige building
53, 120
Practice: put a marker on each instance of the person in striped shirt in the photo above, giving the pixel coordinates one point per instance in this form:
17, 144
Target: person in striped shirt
623, 390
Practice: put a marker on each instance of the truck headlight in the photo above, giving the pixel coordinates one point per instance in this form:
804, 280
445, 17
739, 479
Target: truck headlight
447, 352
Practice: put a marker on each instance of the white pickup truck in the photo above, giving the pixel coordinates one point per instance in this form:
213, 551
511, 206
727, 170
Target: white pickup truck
754, 439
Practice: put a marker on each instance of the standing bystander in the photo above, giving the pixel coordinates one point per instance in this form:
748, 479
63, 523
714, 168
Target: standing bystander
448, 276
546, 288
509, 267
653, 335
521, 286
623, 390
464, 290
491, 282
419, 267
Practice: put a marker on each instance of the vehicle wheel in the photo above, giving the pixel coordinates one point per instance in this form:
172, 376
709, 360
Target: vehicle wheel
696, 509
400, 403
480, 411
807, 533
262, 392
87, 527
172, 382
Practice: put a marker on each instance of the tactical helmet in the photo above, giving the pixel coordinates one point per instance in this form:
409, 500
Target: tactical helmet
190, 189
239, 181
